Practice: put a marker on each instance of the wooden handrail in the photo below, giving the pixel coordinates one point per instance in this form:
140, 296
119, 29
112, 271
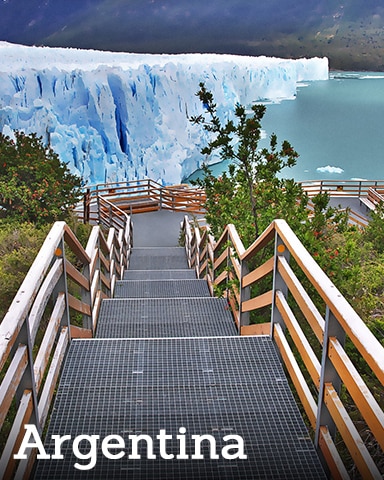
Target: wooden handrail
326, 413
349, 188
30, 365
138, 196
141, 196
352, 324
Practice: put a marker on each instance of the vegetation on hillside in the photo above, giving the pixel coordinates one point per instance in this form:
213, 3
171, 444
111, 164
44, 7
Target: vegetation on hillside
251, 195
35, 186
36, 189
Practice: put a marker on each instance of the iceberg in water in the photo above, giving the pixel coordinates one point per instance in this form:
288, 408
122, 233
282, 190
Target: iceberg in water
330, 169
124, 116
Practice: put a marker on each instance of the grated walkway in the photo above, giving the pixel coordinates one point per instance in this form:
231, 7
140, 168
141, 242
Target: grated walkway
161, 288
165, 317
217, 386
167, 357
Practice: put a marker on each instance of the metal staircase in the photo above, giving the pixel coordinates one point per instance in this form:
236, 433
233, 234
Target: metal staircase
161, 297
167, 356
125, 354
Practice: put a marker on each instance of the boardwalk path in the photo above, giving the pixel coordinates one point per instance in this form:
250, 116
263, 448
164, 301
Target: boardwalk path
167, 357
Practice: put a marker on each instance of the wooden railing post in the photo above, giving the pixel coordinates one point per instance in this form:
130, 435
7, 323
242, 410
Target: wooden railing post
328, 375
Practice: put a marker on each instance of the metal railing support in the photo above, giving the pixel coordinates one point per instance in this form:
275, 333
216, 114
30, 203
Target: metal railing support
86, 205
278, 282
62, 286
245, 294
328, 375
28, 381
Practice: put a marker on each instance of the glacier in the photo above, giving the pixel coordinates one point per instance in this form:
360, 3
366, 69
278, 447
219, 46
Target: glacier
124, 116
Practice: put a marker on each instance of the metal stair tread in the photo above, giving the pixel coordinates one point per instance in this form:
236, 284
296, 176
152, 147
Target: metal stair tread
161, 288
217, 386
180, 274
164, 317
169, 262
158, 251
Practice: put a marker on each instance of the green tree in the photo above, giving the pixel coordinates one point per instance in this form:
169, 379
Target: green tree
251, 194
374, 233
35, 185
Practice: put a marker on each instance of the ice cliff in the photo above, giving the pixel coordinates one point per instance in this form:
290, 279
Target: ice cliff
121, 116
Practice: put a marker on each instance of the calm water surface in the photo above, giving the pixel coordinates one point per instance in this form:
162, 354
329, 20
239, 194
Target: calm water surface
336, 126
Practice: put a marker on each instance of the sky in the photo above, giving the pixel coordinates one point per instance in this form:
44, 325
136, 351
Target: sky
149, 24
345, 31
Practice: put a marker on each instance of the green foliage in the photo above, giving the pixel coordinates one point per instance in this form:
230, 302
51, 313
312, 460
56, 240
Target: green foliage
19, 245
374, 233
20, 242
251, 195
34, 185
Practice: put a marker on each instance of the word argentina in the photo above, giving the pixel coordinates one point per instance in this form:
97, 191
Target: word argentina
113, 447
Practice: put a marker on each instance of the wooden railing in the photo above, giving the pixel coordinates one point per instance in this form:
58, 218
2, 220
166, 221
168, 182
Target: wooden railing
64, 287
140, 196
308, 316
374, 198
346, 188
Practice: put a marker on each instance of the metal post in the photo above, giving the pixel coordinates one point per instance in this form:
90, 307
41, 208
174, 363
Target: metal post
28, 381
278, 282
86, 298
98, 209
161, 197
228, 265
62, 286
86, 205
328, 375
245, 294
197, 250
110, 216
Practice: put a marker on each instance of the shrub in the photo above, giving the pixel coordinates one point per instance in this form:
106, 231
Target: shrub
35, 186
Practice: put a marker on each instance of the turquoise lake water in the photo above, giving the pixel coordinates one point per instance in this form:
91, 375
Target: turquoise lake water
336, 126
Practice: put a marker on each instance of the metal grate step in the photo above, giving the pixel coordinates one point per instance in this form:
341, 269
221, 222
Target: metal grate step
209, 386
159, 252
161, 288
182, 274
158, 263
165, 317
